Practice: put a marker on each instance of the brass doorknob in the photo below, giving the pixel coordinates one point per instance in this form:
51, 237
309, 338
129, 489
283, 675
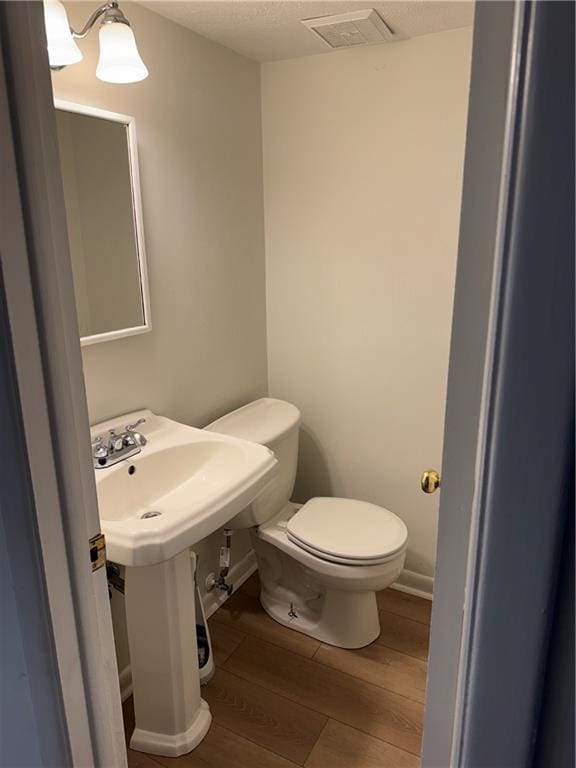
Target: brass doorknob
430, 481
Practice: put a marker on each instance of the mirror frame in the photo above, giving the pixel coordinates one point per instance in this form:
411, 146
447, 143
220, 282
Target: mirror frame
130, 123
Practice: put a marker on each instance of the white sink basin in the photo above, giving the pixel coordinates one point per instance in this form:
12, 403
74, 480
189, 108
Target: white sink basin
196, 480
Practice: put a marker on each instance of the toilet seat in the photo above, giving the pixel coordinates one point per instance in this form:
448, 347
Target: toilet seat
327, 557
346, 531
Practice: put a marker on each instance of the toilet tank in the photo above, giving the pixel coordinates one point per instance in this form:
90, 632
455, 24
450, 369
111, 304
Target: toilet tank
275, 424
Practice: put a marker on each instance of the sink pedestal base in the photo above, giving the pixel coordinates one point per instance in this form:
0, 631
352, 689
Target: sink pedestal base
171, 717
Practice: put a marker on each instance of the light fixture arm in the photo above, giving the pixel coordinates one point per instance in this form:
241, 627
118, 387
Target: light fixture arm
112, 13
119, 60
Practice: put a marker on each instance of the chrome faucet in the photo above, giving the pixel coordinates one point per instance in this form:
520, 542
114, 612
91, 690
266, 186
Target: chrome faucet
110, 448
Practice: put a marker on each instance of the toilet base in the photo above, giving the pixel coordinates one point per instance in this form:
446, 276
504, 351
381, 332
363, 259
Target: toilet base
331, 602
344, 619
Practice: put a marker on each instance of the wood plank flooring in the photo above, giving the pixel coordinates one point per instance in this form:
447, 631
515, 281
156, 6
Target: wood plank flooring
280, 699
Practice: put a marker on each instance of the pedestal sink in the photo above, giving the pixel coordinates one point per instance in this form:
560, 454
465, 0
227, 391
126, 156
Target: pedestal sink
183, 485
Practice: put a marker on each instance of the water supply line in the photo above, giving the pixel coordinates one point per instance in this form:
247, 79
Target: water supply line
225, 553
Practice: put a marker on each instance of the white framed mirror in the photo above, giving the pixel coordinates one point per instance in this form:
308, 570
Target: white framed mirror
99, 162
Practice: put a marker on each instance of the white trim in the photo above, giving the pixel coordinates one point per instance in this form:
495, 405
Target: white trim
130, 123
84, 109
86, 341
487, 392
45, 340
125, 678
414, 583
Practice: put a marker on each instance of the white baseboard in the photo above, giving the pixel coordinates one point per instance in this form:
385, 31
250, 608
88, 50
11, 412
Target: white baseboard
125, 678
415, 584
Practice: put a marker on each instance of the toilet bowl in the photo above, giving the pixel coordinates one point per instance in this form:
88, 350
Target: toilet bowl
320, 563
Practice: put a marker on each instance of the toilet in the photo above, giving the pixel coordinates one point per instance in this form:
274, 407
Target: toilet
320, 563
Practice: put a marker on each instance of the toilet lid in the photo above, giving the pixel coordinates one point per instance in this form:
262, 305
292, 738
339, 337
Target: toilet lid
345, 529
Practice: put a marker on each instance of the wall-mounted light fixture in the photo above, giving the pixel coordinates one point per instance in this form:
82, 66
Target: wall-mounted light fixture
119, 60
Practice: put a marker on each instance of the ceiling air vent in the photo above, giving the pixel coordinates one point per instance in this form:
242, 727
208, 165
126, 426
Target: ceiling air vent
347, 30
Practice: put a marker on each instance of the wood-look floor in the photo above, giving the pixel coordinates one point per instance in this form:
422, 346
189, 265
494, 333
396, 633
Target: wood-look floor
280, 699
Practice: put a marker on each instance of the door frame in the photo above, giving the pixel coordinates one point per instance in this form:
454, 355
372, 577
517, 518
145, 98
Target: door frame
491, 109
41, 314
509, 414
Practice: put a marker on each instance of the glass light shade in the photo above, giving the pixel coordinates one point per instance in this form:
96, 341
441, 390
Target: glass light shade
62, 50
119, 60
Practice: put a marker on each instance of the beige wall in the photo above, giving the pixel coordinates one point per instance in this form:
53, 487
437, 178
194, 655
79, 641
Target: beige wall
199, 135
363, 160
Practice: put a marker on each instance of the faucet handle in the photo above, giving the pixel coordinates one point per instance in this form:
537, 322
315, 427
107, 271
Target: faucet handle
135, 438
99, 450
132, 427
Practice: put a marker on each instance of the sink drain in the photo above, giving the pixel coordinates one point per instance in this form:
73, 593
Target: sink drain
149, 514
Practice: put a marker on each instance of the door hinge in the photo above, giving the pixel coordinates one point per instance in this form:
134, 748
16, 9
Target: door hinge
97, 551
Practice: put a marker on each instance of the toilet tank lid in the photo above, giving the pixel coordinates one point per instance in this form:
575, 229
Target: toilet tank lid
263, 421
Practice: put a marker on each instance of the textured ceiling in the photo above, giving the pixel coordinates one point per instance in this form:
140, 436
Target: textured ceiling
266, 31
